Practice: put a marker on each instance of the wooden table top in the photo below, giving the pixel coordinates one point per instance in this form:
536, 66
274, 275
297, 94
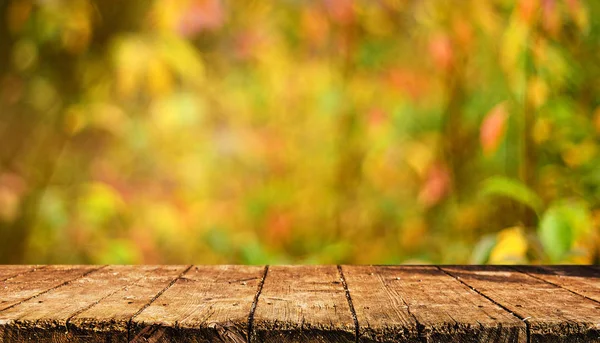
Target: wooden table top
299, 304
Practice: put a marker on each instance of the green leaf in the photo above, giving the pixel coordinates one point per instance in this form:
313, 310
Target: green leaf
218, 240
513, 189
119, 252
555, 235
99, 203
254, 253
483, 248
561, 225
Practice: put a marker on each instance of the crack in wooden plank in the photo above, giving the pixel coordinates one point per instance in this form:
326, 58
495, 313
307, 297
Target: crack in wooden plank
81, 310
53, 288
32, 269
129, 322
420, 326
255, 303
552, 283
350, 304
492, 300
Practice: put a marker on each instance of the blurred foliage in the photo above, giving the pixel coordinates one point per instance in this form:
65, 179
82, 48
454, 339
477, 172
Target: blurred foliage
316, 131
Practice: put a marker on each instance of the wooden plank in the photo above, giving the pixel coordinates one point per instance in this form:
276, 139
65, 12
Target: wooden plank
299, 304
303, 304
207, 304
553, 314
109, 319
421, 303
11, 271
28, 285
382, 314
583, 280
46, 318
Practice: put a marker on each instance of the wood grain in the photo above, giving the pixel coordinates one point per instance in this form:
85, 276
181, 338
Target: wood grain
110, 317
553, 314
10, 271
421, 303
300, 304
207, 304
27, 285
48, 317
303, 304
583, 280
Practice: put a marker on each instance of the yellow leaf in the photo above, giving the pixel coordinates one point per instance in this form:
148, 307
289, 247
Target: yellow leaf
99, 202
537, 92
159, 77
181, 57
419, 156
542, 130
575, 155
130, 55
511, 247
74, 121
513, 47
579, 14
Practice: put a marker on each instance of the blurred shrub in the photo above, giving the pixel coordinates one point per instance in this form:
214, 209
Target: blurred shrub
387, 131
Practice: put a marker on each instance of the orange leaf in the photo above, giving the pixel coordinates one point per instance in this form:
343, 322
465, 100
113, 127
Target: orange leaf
340, 11
442, 51
528, 9
202, 15
493, 129
437, 185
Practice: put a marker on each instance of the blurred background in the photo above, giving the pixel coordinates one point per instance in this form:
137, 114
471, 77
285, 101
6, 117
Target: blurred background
315, 131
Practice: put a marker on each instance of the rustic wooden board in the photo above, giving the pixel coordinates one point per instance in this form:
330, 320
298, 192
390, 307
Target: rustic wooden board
48, 317
109, 319
206, 304
583, 280
27, 285
367, 304
421, 303
11, 271
303, 304
553, 314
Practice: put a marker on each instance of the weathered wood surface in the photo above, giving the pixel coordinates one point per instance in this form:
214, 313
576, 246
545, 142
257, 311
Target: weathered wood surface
206, 304
25, 286
62, 314
52, 304
582, 280
9, 272
552, 313
303, 304
419, 303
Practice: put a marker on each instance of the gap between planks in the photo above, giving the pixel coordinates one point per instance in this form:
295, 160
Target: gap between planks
255, 303
524, 320
54, 287
153, 299
350, 304
129, 322
262, 281
553, 284
29, 270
